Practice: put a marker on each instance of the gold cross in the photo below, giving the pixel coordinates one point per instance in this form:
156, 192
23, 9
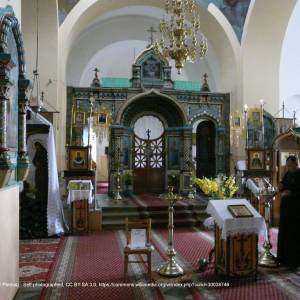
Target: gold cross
151, 31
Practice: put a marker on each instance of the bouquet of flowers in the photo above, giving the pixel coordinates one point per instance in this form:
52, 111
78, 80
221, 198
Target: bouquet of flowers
219, 187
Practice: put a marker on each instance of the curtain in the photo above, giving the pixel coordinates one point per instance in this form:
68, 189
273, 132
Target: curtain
55, 215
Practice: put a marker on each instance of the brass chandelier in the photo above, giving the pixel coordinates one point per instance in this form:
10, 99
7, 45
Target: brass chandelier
179, 36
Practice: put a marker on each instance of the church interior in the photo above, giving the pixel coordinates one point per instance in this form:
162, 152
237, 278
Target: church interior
149, 149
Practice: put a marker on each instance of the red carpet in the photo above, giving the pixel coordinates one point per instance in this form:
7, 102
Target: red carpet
36, 258
96, 260
102, 187
266, 287
92, 261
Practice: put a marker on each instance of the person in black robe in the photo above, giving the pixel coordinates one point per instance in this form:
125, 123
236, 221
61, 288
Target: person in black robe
288, 249
40, 161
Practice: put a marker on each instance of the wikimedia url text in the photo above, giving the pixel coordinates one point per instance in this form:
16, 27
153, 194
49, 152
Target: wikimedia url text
114, 284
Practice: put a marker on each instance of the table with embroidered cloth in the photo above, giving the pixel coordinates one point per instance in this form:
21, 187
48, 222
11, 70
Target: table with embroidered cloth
80, 196
236, 239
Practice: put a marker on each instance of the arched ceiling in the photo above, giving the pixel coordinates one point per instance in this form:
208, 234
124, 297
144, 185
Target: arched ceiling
115, 39
129, 23
234, 11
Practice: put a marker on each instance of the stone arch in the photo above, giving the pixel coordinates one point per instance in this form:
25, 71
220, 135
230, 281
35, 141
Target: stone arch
174, 107
198, 118
9, 21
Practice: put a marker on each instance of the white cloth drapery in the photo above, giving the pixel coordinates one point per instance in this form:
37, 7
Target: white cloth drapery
253, 187
80, 194
55, 215
218, 209
241, 165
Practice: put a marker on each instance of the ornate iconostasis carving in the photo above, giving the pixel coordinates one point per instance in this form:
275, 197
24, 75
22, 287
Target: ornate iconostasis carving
14, 162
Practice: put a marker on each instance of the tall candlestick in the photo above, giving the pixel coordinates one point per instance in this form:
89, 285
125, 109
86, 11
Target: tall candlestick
267, 259
171, 267
246, 123
262, 121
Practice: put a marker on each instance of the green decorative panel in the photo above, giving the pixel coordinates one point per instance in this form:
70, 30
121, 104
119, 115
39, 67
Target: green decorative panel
297, 129
111, 82
126, 150
174, 146
193, 86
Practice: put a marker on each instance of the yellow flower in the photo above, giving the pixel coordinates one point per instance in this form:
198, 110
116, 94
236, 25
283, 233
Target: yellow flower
214, 187
221, 194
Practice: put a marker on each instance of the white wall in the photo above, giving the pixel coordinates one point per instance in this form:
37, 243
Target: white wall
16, 5
110, 64
114, 43
261, 51
9, 246
290, 66
48, 44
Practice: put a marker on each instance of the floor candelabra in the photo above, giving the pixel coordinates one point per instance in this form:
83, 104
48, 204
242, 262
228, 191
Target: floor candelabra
171, 268
267, 259
191, 195
117, 194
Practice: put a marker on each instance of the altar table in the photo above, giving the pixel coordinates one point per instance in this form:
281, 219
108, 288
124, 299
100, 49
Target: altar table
236, 239
80, 196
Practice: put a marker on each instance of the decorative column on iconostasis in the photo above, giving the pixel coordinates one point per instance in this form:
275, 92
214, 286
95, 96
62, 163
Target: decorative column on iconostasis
237, 135
187, 159
220, 150
115, 163
117, 195
6, 165
23, 160
136, 76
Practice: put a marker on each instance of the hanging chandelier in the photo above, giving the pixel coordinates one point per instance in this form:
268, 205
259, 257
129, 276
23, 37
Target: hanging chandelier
35, 98
179, 37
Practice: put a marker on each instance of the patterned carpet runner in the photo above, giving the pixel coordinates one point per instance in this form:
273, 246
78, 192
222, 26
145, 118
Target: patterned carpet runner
36, 258
91, 268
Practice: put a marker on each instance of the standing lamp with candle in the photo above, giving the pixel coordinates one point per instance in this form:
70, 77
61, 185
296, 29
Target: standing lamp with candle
246, 123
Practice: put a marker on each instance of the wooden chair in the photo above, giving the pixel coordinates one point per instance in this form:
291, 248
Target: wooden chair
138, 242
